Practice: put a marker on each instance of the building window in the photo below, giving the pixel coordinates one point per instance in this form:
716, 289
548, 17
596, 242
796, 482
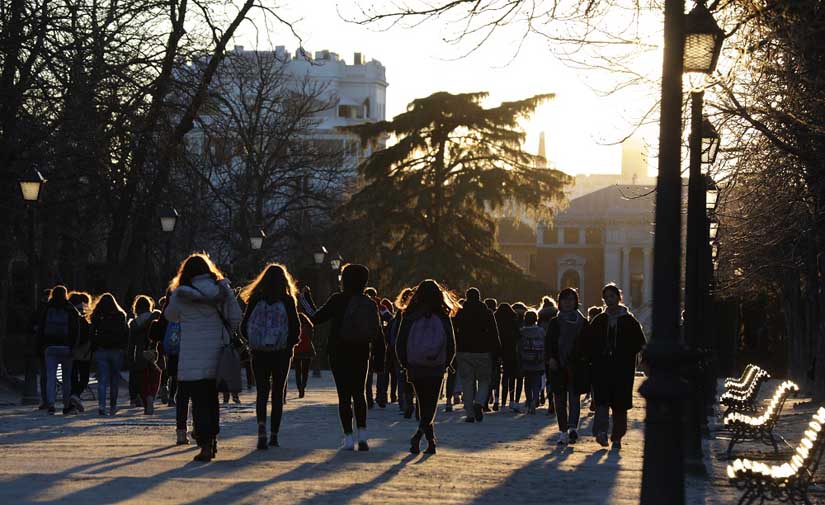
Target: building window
571, 235
351, 111
551, 236
570, 279
593, 236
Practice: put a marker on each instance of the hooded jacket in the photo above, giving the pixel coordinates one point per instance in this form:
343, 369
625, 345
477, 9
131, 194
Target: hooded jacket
202, 333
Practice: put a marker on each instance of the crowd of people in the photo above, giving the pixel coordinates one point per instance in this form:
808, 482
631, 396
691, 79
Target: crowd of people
425, 345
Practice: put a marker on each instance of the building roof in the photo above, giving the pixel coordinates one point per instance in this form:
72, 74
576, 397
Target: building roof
613, 202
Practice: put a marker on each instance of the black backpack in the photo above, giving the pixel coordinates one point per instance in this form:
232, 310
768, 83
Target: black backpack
360, 322
56, 326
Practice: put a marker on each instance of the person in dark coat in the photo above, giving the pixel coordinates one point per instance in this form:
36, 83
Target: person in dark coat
349, 354
568, 363
428, 302
508, 332
57, 334
477, 344
110, 338
616, 337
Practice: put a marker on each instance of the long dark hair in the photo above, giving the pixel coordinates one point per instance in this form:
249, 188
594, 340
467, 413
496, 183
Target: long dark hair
273, 283
196, 264
106, 305
430, 297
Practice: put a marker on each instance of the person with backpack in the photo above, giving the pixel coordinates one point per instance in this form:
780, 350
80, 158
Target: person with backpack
354, 336
304, 354
426, 349
204, 304
143, 353
272, 328
477, 344
616, 337
531, 358
57, 335
81, 352
568, 363
110, 338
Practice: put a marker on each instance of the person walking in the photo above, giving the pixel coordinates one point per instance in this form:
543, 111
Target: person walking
110, 338
506, 321
355, 336
568, 362
477, 344
304, 354
616, 338
201, 301
57, 334
143, 352
495, 371
82, 350
272, 328
531, 358
426, 349
406, 394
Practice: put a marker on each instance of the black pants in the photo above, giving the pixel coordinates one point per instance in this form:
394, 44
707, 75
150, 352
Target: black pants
427, 391
495, 382
172, 372
134, 383
271, 372
393, 379
80, 376
450, 390
181, 405
350, 379
302, 372
205, 408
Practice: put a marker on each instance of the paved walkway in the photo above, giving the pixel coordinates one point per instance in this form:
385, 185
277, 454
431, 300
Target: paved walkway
131, 458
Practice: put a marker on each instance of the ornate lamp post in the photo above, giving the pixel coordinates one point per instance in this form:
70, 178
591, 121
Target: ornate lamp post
256, 240
168, 223
686, 48
31, 186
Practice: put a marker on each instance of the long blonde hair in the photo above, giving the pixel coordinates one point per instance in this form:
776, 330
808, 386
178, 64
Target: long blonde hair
273, 282
196, 264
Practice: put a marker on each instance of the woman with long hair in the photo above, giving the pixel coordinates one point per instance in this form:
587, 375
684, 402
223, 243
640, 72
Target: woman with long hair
508, 331
426, 349
82, 350
355, 335
271, 325
616, 337
405, 391
201, 301
110, 337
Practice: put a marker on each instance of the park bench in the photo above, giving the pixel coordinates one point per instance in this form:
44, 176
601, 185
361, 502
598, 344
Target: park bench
92, 381
787, 482
741, 382
743, 401
759, 428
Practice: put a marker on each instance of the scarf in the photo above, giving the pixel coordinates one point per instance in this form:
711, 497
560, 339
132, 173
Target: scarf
613, 327
570, 326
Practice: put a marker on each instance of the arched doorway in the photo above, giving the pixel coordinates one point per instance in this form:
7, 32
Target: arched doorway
571, 279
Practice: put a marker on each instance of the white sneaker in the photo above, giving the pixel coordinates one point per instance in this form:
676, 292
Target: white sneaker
562, 439
349, 443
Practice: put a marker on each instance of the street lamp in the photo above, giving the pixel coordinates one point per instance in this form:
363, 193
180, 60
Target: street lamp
711, 194
256, 240
168, 220
703, 40
31, 184
318, 255
335, 264
710, 142
713, 231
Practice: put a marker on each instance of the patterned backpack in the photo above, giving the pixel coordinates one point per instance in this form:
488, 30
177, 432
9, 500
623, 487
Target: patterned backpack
268, 328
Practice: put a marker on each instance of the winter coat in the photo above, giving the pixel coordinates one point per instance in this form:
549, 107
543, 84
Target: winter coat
574, 373
508, 332
476, 330
110, 332
339, 351
202, 333
139, 341
293, 323
613, 357
417, 372
52, 340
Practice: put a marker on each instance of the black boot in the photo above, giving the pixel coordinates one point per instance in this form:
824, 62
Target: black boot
415, 442
273, 440
262, 437
206, 454
214, 446
430, 446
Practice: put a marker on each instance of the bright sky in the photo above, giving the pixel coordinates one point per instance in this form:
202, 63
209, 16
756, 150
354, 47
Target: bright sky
577, 123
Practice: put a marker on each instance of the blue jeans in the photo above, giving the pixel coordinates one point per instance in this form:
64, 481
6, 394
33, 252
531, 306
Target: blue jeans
532, 386
109, 362
58, 354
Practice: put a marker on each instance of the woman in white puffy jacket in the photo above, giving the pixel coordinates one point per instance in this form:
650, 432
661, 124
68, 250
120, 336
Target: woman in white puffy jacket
200, 294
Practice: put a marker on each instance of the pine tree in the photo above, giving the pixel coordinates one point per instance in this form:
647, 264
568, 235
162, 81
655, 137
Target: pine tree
426, 206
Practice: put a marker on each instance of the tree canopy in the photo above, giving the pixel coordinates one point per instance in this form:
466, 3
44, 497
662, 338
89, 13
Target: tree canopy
429, 201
